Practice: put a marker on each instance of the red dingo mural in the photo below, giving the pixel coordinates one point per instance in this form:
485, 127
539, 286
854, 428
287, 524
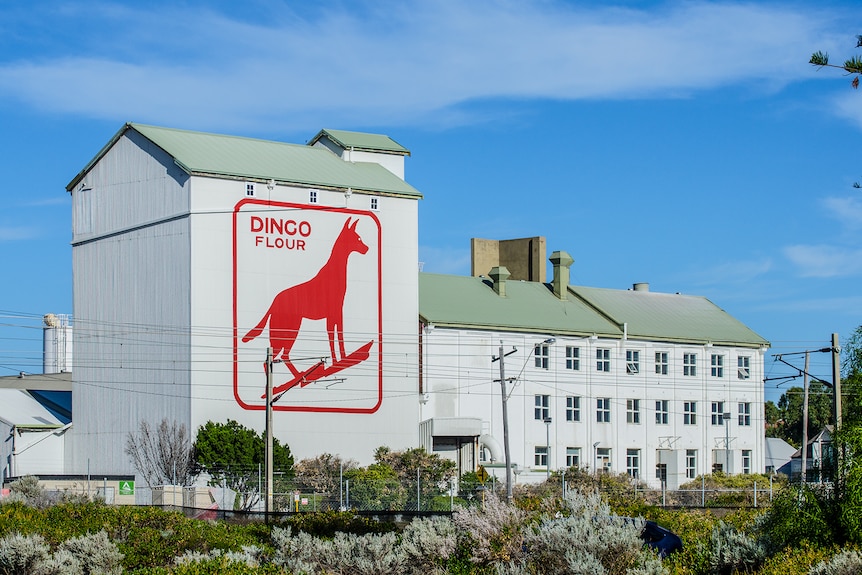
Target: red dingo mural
321, 297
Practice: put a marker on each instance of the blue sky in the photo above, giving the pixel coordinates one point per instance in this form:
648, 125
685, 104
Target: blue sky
685, 144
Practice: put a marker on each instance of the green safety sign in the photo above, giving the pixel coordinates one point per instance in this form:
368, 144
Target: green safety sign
127, 487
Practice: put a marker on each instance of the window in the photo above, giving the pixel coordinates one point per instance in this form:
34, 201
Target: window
689, 413
661, 362
633, 361
717, 365
661, 412
603, 359
690, 463
573, 408
633, 458
633, 411
603, 410
573, 457
249, 189
573, 358
312, 197
543, 407
603, 459
718, 413
542, 352
743, 367
689, 364
540, 456
661, 472
375, 204
746, 461
744, 414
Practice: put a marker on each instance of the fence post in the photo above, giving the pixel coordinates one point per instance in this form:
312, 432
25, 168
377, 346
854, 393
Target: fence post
418, 502
703, 491
755, 494
770, 487
347, 492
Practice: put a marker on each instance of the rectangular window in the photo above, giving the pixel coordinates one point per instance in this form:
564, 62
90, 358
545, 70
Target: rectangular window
717, 365
689, 413
743, 367
661, 362
746, 462
689, 364
573, 408
249, 189
374, 204
573, 457
312, 196
603, 410
718, 413
744, 414
603, 359
543, 407
661, 472
633, 411
541, 456
633, 361
691, 463
603, 459
633, 465
542, 353
573, 358
661, 412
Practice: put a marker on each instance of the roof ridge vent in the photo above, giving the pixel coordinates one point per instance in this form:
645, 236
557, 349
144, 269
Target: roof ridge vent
561, 261
499, 275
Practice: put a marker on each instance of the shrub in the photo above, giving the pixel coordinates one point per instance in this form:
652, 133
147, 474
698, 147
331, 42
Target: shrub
21, 554
328, 523
95, 553
734, 551
844, 563
427, 544
492, 534
345, 553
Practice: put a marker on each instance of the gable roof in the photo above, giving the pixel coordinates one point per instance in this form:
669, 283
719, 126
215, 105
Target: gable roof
471, 303
204, 154
362, 141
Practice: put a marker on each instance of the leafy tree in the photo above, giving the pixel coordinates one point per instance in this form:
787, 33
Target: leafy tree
376, 487
435, 472
163, 455
852, 66
790, 409
322, 473
233, 455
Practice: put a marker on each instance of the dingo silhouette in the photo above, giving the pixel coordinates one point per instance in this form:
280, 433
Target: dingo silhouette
321, 297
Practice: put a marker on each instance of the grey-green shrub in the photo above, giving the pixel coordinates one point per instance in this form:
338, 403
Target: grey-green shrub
96, 554
733, 551
428, 542
844, 563
494, 533
21, 554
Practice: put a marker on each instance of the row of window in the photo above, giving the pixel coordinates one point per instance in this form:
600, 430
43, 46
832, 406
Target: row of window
542, 411
374, 203
542, 353
633, 459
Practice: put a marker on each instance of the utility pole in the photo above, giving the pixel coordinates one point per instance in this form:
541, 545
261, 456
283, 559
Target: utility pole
501, 358
805, 419
836, 380
268, 507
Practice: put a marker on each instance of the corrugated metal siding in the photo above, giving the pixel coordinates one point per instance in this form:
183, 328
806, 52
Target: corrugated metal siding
131, 353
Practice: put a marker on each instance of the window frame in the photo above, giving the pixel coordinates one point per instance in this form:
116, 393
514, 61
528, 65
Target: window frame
633, 362
633, 411
661, 363
690, 463
573, 457
717, 411
573, 357
573, 408
689, 413
689, 364
312, 196
746, 462
633, 458
744, 413
603, 410
716, 365
542, 355
540, 456
662, 411
743, 367
542, 407
603, 359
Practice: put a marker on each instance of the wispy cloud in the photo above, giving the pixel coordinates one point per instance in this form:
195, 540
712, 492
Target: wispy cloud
394, 62
825, 260
444, 260
847, 210
732, 272
9, 234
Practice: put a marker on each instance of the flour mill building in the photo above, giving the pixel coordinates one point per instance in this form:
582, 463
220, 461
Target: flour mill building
193, 253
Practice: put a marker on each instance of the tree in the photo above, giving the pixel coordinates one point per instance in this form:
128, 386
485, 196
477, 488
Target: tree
233, 455
435, 472
322, 474
790, 408
853, 66
162, 455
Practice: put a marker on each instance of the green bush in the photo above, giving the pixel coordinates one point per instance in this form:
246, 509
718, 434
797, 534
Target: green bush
328, 523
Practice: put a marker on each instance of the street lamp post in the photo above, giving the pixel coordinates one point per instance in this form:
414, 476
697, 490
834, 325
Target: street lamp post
548, 447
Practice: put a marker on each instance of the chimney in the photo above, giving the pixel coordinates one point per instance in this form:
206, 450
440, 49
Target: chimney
561, 261
642, 286
499, 275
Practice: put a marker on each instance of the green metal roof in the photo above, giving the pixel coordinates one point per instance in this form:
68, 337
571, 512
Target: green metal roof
362, 141
672, 317
199, 153
470, 302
